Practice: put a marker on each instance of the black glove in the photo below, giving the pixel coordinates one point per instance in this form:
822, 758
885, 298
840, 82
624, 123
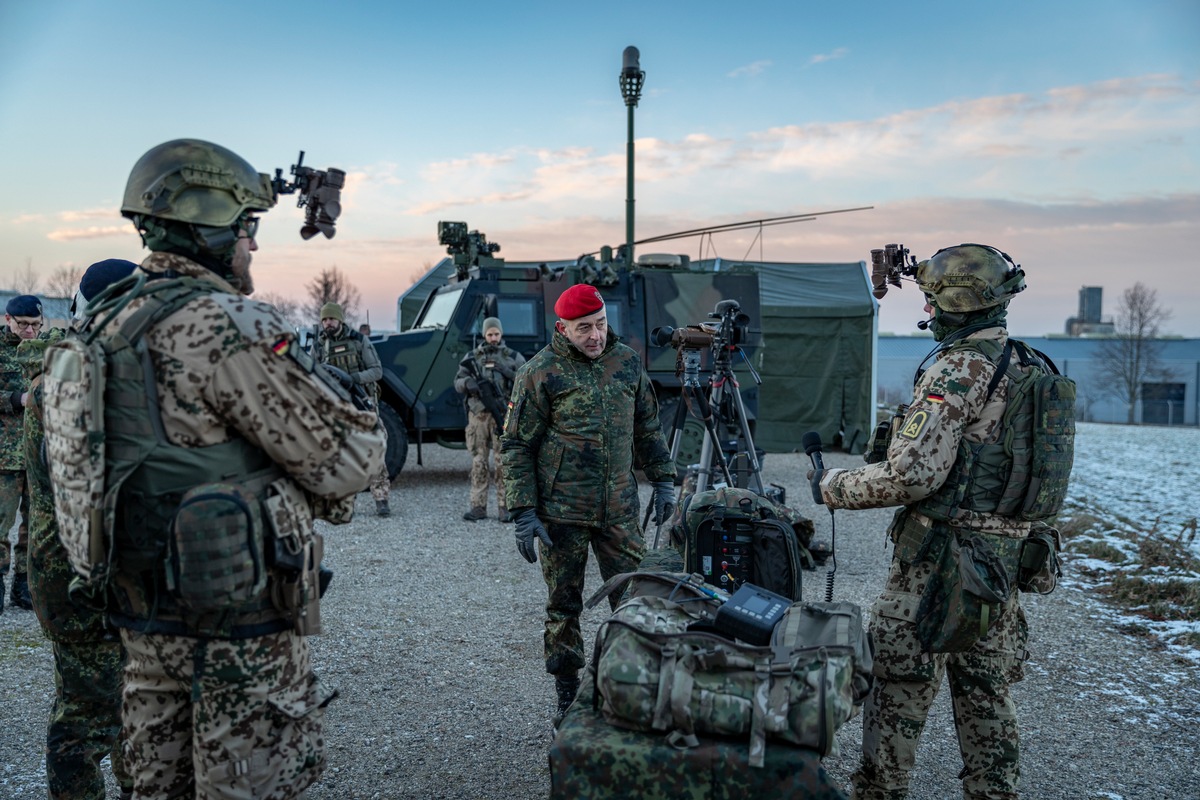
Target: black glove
471, 385
664, 501
358, 395
528, 527
814, 482
506, 371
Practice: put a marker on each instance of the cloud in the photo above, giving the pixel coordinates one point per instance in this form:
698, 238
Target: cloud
94, 232
821, 58
94, 213
750, 70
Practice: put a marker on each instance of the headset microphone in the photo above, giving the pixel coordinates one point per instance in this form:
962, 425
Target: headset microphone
925, 323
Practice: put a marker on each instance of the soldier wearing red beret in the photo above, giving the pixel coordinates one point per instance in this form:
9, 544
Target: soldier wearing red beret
582, 417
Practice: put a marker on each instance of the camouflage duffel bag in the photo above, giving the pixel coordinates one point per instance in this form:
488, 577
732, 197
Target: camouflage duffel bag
655, 670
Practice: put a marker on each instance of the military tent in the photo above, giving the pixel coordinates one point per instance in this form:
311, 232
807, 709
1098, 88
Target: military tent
818, 357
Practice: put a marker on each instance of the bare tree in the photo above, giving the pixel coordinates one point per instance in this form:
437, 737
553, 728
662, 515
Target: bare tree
1133, 356
25, 281
287, 306
64, 281
331, 286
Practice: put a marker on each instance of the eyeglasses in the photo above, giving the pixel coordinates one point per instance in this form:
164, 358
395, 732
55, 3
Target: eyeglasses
248, 224
28, 326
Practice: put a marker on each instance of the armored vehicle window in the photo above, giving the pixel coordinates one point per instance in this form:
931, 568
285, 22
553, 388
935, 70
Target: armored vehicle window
440, 310
519, 317
616, 315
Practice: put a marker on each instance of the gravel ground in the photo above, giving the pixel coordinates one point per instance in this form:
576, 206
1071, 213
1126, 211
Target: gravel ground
433, 637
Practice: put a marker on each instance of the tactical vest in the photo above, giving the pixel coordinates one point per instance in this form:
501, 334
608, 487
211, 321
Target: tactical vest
1025, 474
150, 475
346, 353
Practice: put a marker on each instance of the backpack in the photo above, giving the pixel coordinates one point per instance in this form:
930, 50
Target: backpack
658, 667
85, 376
1026, 475
733, 536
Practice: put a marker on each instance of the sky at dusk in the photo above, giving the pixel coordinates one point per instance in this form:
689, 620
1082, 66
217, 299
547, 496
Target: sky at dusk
1064, 133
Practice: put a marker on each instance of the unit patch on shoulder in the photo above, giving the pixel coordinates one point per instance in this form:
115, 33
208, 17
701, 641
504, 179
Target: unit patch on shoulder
914, 425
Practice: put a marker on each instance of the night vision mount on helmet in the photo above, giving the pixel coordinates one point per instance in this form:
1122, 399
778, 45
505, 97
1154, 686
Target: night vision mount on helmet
958, 280
212, 188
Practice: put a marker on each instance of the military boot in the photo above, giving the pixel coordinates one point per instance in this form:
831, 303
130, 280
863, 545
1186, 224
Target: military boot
20, 591
567, 686
475, 514
382, 509
504, 515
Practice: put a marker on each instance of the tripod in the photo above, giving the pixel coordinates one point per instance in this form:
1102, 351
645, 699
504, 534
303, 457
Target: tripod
719, 409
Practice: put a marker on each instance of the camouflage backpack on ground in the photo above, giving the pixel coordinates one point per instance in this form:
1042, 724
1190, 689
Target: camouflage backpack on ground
660, 668
733, 536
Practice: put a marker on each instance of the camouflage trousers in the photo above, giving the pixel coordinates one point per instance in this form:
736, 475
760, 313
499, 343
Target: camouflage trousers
907, 681
484, 444
85, 720
14, 507
229, 719
381, 484
618, 548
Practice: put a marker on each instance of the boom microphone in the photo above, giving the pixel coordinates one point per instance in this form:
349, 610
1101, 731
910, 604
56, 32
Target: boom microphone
812, 446
925, 323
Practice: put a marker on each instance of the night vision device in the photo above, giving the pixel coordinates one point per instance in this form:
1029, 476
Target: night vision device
888, 265
320, 196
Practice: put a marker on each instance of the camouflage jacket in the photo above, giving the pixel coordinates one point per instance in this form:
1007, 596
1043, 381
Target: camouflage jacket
349, 350
12, 384
576, 429
491, 362
62, 617
948, 406
216, 383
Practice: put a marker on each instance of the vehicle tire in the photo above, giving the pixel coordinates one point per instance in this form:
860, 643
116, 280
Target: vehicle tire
693, 435
397, 440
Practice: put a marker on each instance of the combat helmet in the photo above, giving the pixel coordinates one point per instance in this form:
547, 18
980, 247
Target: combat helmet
198, 183
969, 277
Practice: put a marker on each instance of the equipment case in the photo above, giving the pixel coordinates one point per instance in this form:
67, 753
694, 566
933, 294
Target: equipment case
592, 760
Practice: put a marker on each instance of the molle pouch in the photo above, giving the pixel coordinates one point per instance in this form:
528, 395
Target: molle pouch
909, 535
295, 556
215, 559
964, 595
1040, 567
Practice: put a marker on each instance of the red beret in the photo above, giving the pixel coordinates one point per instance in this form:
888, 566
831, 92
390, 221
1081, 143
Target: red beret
578, 301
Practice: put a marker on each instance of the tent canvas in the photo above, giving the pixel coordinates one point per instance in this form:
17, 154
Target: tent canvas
818, 357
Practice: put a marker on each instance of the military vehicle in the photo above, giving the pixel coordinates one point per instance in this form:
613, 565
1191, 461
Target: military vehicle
419, 403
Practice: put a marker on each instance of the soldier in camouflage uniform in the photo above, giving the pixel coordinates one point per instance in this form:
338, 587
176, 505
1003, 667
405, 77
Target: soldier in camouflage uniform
85, 718
582, 417
222, 704
967, 290
23, 321
353, 353
496, 362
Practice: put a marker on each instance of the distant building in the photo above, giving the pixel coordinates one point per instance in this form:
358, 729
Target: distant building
1173, 399
1089, 320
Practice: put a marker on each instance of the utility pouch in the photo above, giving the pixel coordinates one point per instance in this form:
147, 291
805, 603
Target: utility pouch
964, 595
1040, 565
910, 535
215, 557
296, 554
